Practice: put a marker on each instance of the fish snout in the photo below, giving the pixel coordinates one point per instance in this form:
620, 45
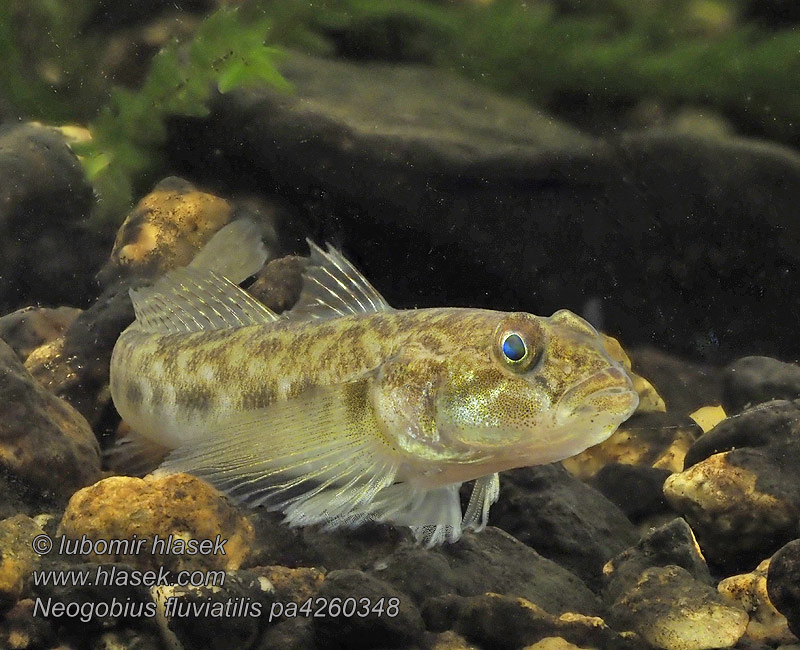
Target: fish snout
607, 392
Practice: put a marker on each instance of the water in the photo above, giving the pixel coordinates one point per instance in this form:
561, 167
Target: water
634, 163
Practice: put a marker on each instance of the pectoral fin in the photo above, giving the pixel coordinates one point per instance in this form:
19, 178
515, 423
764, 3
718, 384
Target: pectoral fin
485, 492
318, 457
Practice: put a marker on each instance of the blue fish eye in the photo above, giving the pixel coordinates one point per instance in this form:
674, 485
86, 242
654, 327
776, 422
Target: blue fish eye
514, 348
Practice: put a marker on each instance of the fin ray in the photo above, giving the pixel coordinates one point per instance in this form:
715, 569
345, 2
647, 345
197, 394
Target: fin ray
332, 286
485, 492
306, 456
191, 300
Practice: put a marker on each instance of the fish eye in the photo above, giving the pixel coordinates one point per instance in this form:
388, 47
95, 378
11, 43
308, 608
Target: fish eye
514, 348
519, 341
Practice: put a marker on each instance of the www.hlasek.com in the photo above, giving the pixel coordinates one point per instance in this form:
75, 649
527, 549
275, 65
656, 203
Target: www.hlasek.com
111, 575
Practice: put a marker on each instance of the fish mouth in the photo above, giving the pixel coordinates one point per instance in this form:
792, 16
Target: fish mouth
608, 392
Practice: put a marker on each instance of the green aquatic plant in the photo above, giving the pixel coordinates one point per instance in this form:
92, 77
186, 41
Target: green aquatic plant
48, 64
610, 53
225, 52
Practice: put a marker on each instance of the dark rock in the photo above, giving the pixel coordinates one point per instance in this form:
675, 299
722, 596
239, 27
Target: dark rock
508, 623
563, 519
44, 442
397, 624
685, 385
742, 504
753, 380
47, 255
20, 628
26, 329
75, 366
279, 283
491, 561
479, 562
291, 634
485, 203
783, 583
673, 611
772, 13
671, 544
17, 556
634, 489
766, 424
130, 639
221, 616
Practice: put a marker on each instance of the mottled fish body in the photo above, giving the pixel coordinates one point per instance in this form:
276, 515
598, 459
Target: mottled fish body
345, 410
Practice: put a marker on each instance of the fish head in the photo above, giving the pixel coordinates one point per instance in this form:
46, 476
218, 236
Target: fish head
537, 391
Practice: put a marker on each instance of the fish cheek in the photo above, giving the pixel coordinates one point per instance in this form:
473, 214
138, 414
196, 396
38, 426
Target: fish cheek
403, 395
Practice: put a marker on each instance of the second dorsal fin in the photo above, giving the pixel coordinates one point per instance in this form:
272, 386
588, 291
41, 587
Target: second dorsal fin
333, 287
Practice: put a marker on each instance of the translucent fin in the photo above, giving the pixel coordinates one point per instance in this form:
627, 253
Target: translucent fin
332, 287
308, 457
236, 252
485, 492
190, 300
433, 514
134, 455
204, 294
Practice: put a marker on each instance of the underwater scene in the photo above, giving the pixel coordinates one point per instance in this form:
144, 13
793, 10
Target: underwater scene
399, 324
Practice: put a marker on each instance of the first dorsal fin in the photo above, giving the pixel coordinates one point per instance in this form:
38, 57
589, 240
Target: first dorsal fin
201, 296
332, 287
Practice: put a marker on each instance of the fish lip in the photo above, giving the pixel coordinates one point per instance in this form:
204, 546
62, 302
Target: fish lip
577, 396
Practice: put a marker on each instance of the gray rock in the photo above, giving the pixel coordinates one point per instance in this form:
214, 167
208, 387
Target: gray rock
279, 283
634, 489
753, 380
743, 504
766, 424
46, 255
291, 634
28, 328
673, 611
479, 562
563, 519
217, 617
671, 544
783, 583
448, 194
45, 444
509, 623
491, 561
393, 620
